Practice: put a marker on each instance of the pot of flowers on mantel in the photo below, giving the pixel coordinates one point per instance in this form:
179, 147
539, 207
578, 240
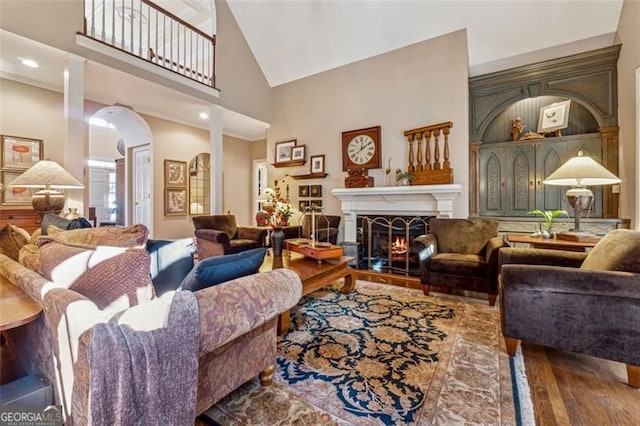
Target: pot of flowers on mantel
403, 178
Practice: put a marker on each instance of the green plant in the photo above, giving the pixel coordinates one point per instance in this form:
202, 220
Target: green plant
549, 216
403, 175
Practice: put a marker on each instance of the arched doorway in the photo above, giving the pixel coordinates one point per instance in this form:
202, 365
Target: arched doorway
123, 192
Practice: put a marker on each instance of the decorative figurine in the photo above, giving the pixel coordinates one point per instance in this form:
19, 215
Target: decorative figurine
516, 129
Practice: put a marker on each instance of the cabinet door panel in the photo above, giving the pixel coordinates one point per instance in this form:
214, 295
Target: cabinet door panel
548, 158
491, 183
520, 177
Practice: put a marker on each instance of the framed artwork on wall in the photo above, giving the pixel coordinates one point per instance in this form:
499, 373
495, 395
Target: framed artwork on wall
15, 196
554, 117
297, 152
20, 153
316, 204
303, 205
175, 174
303, 191
315, 191
283, 150
175, 202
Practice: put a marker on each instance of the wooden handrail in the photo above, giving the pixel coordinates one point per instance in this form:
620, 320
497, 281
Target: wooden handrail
211, 38
429, 172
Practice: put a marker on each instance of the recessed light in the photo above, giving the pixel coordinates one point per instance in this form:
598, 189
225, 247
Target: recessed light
204, 115
29, 63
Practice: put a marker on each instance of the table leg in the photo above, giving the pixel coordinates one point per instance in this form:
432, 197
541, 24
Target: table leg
349, 282
284, 323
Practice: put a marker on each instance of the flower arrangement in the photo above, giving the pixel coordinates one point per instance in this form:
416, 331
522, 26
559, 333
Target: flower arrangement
277, 207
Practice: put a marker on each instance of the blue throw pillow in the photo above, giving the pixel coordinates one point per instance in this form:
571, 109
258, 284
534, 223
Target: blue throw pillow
219, 269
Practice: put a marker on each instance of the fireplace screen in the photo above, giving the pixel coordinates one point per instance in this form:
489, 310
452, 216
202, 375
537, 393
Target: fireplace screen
384, 243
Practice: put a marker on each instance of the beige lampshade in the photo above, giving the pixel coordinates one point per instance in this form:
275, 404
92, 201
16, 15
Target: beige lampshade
48, 174
581, 171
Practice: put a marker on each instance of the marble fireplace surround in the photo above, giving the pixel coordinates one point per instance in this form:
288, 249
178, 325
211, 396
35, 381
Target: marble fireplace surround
414, 200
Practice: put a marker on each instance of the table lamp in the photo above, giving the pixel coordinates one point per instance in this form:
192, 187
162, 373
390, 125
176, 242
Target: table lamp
50, 175
579, 172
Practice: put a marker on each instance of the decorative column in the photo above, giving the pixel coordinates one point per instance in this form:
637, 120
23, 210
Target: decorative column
75, 149
215, 138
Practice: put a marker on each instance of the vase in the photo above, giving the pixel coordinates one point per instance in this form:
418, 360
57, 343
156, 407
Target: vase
72, 214
277, 241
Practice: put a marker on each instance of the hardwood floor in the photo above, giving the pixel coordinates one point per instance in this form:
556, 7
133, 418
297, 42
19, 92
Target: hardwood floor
575, 389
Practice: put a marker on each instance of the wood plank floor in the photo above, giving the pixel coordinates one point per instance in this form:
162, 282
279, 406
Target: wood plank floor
575, 389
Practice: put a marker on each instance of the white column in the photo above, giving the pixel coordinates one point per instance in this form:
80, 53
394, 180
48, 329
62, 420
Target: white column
215, 138
74, 144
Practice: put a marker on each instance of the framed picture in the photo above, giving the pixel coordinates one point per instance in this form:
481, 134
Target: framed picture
20, 153
303, 205
283, 150
315, 191
316, 204
175, 202
15, 196
297, 152
554, 117
175, 174
317, 163
303, 191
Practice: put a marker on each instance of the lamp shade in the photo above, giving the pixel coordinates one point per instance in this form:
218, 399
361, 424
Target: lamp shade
48, 174
581, 171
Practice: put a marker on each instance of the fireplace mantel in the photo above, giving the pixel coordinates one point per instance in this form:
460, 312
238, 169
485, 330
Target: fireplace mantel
419, 200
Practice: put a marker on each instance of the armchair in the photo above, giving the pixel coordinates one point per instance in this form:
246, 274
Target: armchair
580, 302
218, 234
460, 253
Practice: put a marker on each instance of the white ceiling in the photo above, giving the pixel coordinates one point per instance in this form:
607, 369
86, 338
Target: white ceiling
292, 39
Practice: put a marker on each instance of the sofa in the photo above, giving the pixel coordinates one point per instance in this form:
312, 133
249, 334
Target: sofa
587, 303
231, 327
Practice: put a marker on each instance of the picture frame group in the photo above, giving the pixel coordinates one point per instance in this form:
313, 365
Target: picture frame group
175, 187
284, 151
17, 154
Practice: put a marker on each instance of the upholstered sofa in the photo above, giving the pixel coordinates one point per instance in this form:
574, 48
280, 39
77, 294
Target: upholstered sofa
234, 325
579, 302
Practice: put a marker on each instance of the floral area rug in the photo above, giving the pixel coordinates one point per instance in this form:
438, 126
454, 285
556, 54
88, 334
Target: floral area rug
382, 355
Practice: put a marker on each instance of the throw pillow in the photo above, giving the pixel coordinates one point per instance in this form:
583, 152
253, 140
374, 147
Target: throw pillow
219, 269
12, 239
54, 220
130, 236
111, 277
619, 250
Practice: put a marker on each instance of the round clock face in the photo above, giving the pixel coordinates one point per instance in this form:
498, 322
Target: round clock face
361, 149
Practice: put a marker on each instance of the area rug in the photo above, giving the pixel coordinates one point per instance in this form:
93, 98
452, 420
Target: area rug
382, 355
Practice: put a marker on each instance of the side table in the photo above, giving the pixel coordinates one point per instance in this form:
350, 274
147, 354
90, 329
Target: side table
551, 243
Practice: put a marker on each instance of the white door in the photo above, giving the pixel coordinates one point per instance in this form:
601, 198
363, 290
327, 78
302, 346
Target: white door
100, 191
259, 181
142, 185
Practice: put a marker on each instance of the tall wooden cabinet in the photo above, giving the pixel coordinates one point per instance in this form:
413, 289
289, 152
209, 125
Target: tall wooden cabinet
511, 174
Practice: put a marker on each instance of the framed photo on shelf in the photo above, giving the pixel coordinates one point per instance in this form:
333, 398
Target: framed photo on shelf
175, 174
317, 163
283, 150
175, 201
15, 196
315, 191
303, 191
554, 117
297, 152
20, 153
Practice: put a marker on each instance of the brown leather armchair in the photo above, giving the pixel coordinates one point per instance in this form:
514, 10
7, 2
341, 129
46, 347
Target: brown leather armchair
580, 302
218, 235
460, 254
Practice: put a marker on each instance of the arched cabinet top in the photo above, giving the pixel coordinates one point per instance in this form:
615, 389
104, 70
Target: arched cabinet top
589, 78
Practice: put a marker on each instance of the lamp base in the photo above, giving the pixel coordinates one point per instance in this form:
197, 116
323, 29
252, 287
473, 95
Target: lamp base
47, 200
579, 236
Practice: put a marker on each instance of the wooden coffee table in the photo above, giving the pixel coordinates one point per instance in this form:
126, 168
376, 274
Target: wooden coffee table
313, 275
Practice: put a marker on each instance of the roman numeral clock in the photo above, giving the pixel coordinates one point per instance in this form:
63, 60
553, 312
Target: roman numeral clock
360, 152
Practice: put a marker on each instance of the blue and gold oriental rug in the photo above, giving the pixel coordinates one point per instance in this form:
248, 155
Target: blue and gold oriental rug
382, 355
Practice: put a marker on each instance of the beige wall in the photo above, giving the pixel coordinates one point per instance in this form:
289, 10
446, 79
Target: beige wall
103, 143
629, 34
236, 175
55, 22
259, 149
415, 86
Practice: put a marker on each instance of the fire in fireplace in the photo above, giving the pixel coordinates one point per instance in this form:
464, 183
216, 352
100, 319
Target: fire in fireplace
384, 243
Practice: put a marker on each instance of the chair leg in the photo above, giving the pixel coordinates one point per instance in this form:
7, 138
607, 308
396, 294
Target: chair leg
492, 299
633, 375
512, 345
425, 289
266, 375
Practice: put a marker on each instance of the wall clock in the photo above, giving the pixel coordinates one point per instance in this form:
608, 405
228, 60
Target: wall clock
361, 149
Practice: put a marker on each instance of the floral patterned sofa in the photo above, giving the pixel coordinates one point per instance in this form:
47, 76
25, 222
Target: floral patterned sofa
235, 321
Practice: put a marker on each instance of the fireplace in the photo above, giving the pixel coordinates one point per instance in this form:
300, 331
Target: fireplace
384, 241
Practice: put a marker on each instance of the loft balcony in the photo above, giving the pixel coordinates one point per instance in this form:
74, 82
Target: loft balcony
153, 34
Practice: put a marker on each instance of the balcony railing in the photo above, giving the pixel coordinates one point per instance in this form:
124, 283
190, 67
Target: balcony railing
148, 31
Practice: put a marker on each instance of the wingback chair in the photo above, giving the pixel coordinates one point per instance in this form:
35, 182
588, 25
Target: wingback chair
460, 254
217, 235
580, 302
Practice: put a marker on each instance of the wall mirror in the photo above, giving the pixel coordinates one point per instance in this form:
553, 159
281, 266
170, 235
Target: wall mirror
199, 184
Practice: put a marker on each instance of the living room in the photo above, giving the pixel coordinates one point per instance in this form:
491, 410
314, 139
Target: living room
420, 84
